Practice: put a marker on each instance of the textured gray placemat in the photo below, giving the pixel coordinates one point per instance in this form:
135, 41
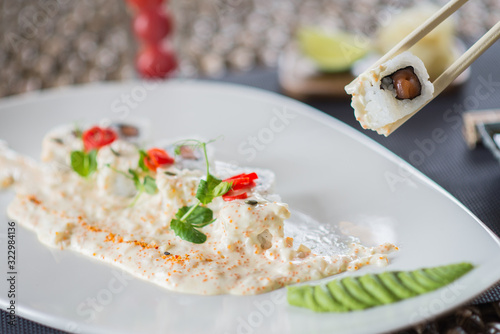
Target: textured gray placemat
23, 326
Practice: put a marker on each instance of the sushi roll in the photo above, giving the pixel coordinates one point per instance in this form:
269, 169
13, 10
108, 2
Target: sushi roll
120, 155
389, 92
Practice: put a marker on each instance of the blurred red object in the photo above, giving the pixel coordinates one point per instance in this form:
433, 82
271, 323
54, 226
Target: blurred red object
142, 4
156, 61
152, 24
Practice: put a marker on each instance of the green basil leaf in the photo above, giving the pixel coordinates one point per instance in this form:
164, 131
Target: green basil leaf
135, 178
205, 192
177, 150
92, 161
202, 192
181, 212
150, 185
200, 216
77, 162
142, 155
84, 164
222, 188
134, 174
208, 222
187, 232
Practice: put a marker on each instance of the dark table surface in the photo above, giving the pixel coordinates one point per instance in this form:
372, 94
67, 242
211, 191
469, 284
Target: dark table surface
472, 176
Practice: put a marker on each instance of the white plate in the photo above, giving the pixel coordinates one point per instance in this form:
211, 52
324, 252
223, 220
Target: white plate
324, 169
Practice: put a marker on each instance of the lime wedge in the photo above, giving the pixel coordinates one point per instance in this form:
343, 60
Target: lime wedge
332, 51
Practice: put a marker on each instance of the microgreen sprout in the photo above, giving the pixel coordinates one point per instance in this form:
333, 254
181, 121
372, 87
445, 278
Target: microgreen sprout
189, 219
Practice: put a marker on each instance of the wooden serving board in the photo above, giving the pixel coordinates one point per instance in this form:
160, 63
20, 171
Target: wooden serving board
300, 79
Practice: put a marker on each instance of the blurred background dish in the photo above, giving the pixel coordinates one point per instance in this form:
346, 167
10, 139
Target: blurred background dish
324, 61
330, 51
437, 49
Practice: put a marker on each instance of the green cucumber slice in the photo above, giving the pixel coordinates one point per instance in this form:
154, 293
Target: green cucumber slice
423, 279
311, 302
371, 283
407, 279
354, 288
339, 293
390, 280
349, 294
435, 276
295, 294
326, 301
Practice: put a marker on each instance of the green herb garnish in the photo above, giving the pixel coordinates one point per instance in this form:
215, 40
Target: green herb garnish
145, 185
189, 219
115, 153
77, 131
84, 163
211, 188
141, 164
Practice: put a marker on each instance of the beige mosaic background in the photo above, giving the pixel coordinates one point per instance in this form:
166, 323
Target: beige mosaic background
50, 43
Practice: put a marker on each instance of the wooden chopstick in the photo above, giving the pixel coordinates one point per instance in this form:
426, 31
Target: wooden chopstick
425, 28
455, 69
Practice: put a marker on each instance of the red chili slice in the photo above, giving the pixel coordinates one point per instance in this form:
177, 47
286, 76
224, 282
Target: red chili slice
251, 176
97, 137
241, 184
243, 180
156, 157
231, 195
246, 185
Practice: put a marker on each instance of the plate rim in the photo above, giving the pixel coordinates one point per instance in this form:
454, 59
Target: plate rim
53, 321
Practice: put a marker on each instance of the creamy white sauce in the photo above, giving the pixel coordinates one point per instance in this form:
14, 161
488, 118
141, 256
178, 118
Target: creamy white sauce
246, 251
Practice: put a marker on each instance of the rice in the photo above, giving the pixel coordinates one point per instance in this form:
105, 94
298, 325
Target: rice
375, 98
